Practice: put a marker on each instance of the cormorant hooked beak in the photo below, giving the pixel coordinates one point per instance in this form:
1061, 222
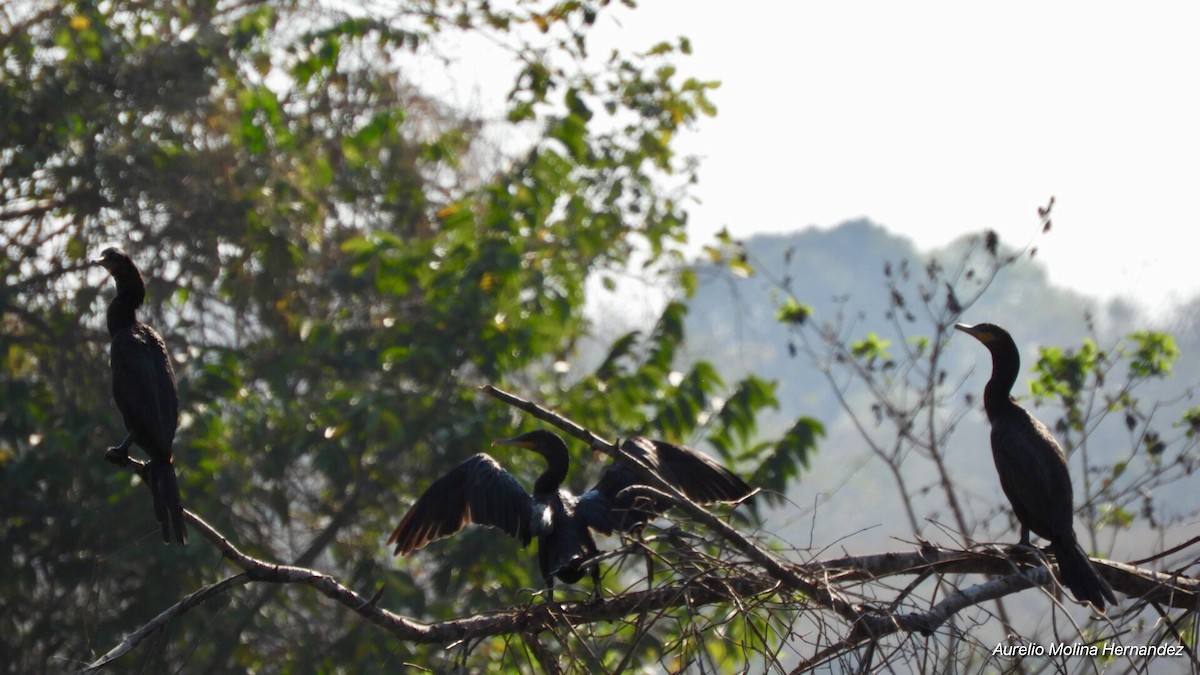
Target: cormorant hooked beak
517, 442
106, 258
975, 331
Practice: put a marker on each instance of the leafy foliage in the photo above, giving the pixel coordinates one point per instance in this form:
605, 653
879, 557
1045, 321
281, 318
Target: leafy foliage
782, 464
793, 311
1088, 386
335, 270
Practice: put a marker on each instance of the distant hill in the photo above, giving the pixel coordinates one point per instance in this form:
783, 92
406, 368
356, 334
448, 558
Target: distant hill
732, 323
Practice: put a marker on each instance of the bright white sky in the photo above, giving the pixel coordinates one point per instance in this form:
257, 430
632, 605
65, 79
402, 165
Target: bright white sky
936, 119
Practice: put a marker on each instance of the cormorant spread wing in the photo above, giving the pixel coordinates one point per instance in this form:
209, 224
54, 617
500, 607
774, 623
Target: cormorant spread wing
477, 491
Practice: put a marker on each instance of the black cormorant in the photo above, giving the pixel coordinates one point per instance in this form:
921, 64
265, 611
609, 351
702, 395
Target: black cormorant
1033, 469
143, 386
480, 491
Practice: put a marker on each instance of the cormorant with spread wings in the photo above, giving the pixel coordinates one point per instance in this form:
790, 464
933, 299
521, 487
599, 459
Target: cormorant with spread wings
480, 491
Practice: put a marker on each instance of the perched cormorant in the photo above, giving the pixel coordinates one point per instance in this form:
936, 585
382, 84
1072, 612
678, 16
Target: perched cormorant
1033, 469
143, 386
480, 491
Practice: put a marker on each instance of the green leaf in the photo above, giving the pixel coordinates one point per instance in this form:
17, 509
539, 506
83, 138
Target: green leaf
871, 348
1112, 515
781, 463
1154, 355
793, 312
741, 268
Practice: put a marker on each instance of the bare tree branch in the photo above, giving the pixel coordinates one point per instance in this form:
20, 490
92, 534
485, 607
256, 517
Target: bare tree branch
159, 622
711, 587
757, 578
1173, 590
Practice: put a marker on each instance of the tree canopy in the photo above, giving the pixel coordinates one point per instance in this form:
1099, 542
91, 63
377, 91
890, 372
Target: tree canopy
339, 261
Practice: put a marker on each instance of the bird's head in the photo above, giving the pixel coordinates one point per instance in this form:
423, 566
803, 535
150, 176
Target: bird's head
114, 260
130, 287
987, 333
540, 441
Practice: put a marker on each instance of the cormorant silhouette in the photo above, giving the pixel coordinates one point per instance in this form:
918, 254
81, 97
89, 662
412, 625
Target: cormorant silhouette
1033, 469
143, 385
480, 491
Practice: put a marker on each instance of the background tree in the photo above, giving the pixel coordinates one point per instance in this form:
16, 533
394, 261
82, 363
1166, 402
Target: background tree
336, 269
909, 417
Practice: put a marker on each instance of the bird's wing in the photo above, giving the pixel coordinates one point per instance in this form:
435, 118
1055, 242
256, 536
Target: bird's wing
477, 491
164, 378
1033, 472
606, 508
144, 389
697, 475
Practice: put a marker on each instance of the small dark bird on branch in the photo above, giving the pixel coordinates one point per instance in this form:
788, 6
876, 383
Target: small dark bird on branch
1033, 469
480, 491
143, 385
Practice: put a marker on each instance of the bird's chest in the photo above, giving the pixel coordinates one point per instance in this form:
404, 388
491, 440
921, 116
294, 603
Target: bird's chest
1027, 455
551, 512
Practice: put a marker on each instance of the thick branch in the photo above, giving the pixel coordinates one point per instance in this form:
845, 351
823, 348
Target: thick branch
814, 583
693, 593
1172, 590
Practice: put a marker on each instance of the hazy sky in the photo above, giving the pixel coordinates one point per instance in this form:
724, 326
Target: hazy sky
936, 119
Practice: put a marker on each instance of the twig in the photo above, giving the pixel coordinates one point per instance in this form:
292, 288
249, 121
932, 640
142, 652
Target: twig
1163, 554
159, 622
871, 628
544, 658
547, 415
925, 623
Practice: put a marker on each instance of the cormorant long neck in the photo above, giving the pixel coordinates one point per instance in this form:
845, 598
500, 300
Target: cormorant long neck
1006, 363
131, 291
550, 446
556, 469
